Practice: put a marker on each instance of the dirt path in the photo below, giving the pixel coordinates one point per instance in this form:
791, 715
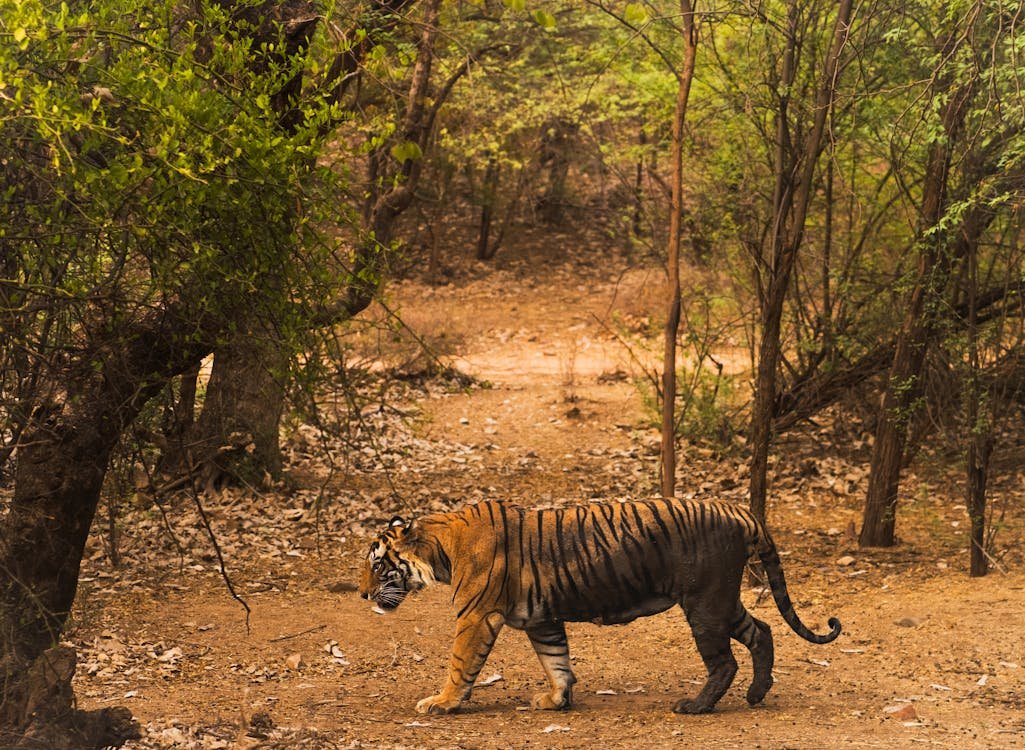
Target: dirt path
823, 696
927, 658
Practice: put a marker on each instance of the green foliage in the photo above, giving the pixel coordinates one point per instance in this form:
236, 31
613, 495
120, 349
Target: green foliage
145, 162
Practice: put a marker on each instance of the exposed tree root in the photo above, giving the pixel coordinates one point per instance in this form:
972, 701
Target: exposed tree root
39, 711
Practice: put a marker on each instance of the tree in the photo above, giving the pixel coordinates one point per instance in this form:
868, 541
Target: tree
966, 174
153, 204
686, 76
795, 161
236, 436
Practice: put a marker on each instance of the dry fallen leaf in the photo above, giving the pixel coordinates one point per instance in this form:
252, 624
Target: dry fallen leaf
554, 728
171, 655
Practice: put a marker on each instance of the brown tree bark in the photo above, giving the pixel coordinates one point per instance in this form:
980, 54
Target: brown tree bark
236, 435
903, 386
556, 140
489, 194
795, 182
638, 196
62, 460
686, 77
246, 394
96, 391
980, 430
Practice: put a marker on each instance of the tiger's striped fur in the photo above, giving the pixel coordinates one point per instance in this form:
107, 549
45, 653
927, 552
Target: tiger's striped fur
535, 570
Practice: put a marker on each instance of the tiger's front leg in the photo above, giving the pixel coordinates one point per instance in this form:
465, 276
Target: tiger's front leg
475, 636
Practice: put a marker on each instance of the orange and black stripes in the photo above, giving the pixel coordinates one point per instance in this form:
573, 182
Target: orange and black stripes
603, 562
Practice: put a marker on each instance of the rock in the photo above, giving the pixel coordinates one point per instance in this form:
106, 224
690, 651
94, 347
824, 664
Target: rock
260, 725
909, 622
907, 713
845, 561
294, 661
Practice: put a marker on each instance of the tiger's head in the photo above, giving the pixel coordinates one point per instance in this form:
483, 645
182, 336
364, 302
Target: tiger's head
393, 569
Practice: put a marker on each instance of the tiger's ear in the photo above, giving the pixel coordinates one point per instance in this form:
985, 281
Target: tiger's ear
397, 521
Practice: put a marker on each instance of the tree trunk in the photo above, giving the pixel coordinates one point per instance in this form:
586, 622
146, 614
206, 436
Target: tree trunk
59, 474
795, 181
238, 429
904, 383
57, 490
556, 139
236, 436
638, 214
62, 460
979, 451
489, 194
180, 424
980, 430
668, 450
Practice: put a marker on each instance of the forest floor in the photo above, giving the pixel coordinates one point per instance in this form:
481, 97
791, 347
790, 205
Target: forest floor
928, 657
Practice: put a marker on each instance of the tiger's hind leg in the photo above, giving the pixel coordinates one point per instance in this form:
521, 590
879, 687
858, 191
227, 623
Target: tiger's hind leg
711, 628
757, 637
549, 642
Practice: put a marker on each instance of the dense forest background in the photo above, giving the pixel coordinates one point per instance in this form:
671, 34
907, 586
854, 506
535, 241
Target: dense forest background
206, 205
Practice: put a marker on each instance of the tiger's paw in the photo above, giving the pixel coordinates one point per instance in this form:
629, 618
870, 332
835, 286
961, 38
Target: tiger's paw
545, 702
756, 693
437, 704
691, 707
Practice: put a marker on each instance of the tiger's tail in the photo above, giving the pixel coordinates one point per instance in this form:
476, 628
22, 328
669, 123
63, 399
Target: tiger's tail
774, 571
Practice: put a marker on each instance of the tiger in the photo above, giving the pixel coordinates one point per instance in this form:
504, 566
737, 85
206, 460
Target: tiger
607, 563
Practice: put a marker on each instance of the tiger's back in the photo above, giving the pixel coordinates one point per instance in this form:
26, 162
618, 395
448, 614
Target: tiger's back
606, 562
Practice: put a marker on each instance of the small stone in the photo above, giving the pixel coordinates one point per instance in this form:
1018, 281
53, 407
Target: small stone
909, 622
907, 713
845, 561
294, 661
